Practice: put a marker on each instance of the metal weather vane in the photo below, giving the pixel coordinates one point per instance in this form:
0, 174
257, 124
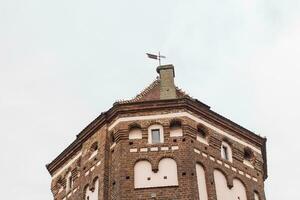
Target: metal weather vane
156, 57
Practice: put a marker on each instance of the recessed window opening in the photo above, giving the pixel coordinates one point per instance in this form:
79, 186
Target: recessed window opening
201, 133
225, 153
248, 153
155, 134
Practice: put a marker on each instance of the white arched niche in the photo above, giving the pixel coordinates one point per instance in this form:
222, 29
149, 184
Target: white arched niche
155, 134
92, 193
237, 192
201, 181
166, 175
175, 128
226, 151
135, 133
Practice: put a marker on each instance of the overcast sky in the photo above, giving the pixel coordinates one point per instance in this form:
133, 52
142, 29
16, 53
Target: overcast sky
63, 62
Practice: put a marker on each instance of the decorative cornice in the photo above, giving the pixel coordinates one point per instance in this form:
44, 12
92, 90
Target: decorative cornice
188, 103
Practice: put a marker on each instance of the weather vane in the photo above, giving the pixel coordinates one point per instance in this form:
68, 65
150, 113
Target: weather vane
156, 57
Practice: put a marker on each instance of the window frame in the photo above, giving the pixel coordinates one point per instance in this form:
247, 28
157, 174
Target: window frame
161, 133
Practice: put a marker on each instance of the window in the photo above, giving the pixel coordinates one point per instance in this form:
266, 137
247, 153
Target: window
155, 134
226, 152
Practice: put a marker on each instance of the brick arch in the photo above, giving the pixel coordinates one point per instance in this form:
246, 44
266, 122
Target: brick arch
134, 125
175, 122
153, 122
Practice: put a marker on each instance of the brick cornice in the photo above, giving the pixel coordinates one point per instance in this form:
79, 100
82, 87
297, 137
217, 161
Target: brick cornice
187, 103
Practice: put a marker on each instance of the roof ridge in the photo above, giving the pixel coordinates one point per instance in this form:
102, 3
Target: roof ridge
142, 93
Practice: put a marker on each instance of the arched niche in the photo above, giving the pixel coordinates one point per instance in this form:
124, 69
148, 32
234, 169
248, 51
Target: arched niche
175, 128
135, 132
238, 191
166, 175
92, 193
201, 181
226, 151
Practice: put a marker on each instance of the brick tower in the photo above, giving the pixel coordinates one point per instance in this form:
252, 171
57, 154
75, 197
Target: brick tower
162, 144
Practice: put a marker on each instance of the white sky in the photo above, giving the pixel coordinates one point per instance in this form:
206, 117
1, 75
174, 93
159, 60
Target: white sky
64, 62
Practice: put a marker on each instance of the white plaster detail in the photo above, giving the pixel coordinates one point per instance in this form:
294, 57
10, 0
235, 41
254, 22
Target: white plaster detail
201, 181
165, 176
202, 140
211, 158
68, 164
197, 151
113, 145
226, 165
233, 169
161, 132
133, 150
248, 163
248, 176
64, 198
93, 154
241, 172
92, 169
98, 163
226, 151
204, 155
69, 183
174, 148
143, 149
256, 196
154, 149
87, 173
219, 162
183, 114
92, 194
238, 190
69, 195
164, 148
255, 179
176, 132
135, 134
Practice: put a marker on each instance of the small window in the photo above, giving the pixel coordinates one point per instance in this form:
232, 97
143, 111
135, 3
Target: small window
155, 134
226, 152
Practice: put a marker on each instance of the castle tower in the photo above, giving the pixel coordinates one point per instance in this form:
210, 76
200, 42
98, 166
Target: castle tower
162, 144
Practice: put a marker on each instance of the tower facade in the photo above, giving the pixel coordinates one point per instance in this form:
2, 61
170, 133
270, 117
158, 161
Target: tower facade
162, 144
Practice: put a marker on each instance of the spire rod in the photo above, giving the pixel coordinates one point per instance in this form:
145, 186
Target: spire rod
156, 57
